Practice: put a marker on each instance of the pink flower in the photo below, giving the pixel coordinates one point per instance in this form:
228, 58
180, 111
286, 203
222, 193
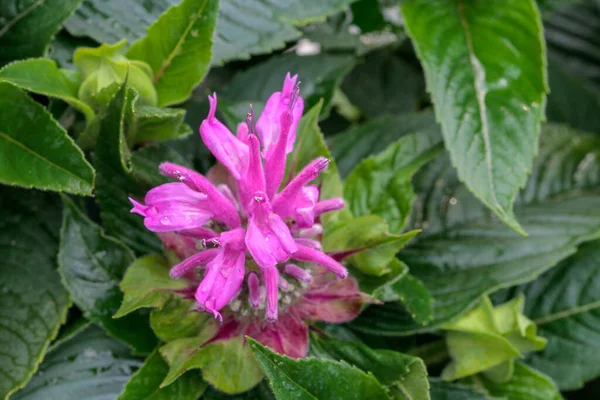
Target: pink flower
252, 252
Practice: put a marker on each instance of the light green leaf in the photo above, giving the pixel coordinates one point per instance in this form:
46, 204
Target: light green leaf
33, 303
320, 75
465, 253
381, 184
26, 27
92, 265
564, 303
36, 150
525, 384
178, 318
441, 390
361, 141
183, 58
115, 180
489, 102
315, 378
144, 384
156, 124
228, 365
369, 242
147, 284
42, 76
89, 366
404, 376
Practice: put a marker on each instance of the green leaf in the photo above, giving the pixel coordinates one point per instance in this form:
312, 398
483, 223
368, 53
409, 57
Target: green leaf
115, 182
314, 378
37, 152
33, 303
147, 284
381, 184
310, 144
260, 392
404, 376
564, 303
145, 162
92, 265
368, 239
228, 364
320, 75
144, 384
414, 296
525, 384
360, 141
26, 27
466, 253
490, 117
183, 58
156, 124
383, 84
441, 390
178, 318
42, 76
89, 366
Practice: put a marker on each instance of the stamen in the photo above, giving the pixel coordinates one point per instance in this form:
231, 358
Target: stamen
294, 96
250, 122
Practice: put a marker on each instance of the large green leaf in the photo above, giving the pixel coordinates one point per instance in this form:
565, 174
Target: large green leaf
36, 150
92, 265
466, 253
381, 184
41, 75
404, 376
441, 390
320, 75
565, 304
115, 182
183, 57
157, 124
260, 392
315, 378
89, 366
382, 84
33, 303
144, 384
485, 68
26, 27
525, 384
360, 141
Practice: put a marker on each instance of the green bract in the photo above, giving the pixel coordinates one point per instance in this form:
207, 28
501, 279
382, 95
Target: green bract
487, 339
105, 65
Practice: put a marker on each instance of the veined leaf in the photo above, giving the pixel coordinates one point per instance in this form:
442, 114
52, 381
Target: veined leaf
33, 303
361, 141
42, 76
381, 184
26, 27
320, 75
183, 58
115, 180
405, 376
489, 101
525, 384
466, 253
90, 365
144, 384
92, 266
315, 378
441, 390
36, 150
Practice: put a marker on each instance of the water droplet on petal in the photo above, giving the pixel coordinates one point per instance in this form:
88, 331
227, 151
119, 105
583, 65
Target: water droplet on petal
165, 221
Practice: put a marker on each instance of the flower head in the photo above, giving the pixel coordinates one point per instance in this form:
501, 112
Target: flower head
251, 250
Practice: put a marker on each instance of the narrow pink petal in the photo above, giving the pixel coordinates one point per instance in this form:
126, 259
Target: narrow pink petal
233, 275
313, 244
288, 195
199, 233
315, 230
254, 179
254, 290
174, 191
173, 216
275, 159
271, 278
328, 205
282, 284
222, 143
192, 262
139, 208
311, 255
223, 209
298, 273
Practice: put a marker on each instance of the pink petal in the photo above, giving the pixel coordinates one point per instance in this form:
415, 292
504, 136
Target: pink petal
198, 259
311, 255
175, 191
